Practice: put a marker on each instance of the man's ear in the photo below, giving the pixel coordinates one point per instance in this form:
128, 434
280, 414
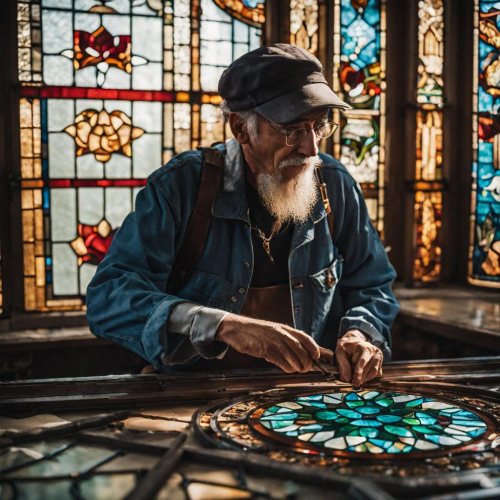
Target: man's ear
238, 128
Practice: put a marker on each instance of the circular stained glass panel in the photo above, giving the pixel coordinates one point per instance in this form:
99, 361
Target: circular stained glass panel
368, 422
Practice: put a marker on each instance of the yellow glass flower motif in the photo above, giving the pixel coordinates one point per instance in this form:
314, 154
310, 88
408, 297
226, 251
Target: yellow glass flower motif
103, 134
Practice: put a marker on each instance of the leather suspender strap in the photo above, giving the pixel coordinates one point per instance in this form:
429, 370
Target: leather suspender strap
199, 224
326, 201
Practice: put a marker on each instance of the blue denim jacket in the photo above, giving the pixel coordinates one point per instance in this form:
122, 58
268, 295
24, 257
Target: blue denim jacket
128, 300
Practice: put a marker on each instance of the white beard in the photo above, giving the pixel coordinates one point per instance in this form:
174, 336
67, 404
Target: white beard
290, 200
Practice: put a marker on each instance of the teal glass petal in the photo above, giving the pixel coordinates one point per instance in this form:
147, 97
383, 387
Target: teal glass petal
281, 416
368, 410
366, 423
349, 413
388, 419
398, 431
327, 415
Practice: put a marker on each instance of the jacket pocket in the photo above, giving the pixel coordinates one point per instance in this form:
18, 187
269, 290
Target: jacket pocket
206, 289
323, 285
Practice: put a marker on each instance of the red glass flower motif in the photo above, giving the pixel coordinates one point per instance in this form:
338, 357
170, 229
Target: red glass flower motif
100, 46
93, 242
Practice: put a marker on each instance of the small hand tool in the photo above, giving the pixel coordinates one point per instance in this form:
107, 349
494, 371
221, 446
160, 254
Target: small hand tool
329, 376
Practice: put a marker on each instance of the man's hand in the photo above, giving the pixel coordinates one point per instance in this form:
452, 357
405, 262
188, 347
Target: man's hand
358, 360
290, 349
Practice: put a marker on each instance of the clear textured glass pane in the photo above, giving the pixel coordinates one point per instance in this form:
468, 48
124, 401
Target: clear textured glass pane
210, 76
211, 12
146, 154
57, 70
58, 4
116, 25
241, 31
125, 106
90, 205
87, 272
118, 205
148, 115
60, 114
87, 22
118, 167
217, 31
61, 156
117, 79
87, 167
147, 77
57, 31
63, 218
147, 38
87, 77
85, 5
216, 53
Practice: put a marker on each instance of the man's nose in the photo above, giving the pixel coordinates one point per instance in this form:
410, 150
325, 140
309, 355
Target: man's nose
309, 146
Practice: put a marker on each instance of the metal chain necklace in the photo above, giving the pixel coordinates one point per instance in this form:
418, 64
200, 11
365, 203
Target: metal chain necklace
266, 240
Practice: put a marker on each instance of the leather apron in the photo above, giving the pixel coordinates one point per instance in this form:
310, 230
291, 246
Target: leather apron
271, 303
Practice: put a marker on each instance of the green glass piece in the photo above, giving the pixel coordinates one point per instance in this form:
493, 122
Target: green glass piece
398, 431
327, 415
416, 402
368, 432
281, 424
384, 402
411, 421
354, 404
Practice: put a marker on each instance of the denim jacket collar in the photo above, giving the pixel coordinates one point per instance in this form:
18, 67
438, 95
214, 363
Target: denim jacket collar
231, 202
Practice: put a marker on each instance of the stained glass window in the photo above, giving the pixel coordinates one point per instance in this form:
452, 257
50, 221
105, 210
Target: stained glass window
111, 91
484, 263
304, 24
429, 141
359, 78
370, 422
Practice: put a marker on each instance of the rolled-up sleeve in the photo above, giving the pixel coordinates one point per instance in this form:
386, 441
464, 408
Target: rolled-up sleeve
127, 299
365, 286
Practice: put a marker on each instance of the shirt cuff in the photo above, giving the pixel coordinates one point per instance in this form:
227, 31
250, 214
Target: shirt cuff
374, 336
200, 325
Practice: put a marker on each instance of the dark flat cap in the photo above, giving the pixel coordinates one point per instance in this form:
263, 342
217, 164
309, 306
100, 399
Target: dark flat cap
281, 82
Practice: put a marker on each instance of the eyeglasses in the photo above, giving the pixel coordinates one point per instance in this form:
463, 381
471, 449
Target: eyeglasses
295, 137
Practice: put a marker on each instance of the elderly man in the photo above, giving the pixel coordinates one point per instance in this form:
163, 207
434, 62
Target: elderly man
231, 258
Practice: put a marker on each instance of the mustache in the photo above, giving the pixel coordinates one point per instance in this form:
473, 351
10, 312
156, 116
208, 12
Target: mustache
306, 161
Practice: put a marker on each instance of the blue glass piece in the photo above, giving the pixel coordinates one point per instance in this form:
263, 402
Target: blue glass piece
292, 433
311, 428
318, 405
272, 410
349, 413
46, 198
416, 402
368, 410
388, 419
366, 423
352, 396
382, 443
281, 416
393, 449
280, 424
470, 423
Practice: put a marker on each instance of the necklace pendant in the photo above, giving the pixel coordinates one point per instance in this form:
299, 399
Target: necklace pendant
267, 248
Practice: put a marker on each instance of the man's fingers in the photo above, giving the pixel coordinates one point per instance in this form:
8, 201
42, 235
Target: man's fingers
357, 377
371, 374
308, 343
326, 355
372, 366
296, 355
344, 365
